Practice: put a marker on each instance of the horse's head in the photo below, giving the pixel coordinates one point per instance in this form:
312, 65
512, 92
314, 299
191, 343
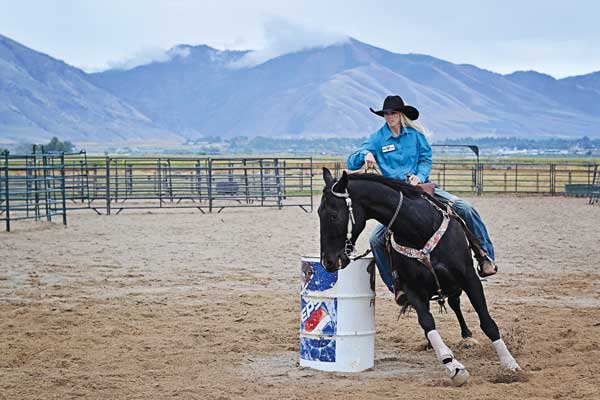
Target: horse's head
334, 216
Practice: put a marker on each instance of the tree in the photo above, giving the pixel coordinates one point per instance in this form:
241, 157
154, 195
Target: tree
56, 145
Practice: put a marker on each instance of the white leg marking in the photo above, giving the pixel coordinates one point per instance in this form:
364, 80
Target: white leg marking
457, 372
506, 359
441, 350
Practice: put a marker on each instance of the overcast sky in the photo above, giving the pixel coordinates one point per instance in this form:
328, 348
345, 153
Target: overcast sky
556, 37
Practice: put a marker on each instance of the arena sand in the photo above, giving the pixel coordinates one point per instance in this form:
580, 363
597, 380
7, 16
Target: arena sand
154, 305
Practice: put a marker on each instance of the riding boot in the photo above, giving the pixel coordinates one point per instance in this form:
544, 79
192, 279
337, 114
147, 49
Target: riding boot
486, 266
399, 295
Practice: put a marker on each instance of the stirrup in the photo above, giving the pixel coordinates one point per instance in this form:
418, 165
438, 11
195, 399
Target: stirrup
401, 298
483, 260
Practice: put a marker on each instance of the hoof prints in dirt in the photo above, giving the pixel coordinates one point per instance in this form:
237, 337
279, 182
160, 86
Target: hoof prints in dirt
509, 377
287, 365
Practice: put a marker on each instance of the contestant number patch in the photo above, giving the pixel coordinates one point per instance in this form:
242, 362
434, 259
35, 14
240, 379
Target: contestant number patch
388, 148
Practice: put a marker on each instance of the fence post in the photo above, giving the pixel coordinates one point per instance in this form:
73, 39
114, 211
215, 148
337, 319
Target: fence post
28, 186
311, 185
107, 194
278, 183
116, 175
46, 187
477, 179
7, 200
170, 180
552, 179
262, 185
444, 176
516, 177
84, 176
64, 196
480, 180
247, 188
210, 197
36, 187
284, 180
199, 180
128, 179
302, 177
159, 181
595, 187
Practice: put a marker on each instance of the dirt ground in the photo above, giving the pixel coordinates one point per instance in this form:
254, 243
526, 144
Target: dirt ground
154, 305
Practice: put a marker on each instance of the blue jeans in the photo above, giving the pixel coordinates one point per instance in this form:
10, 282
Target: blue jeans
462, 207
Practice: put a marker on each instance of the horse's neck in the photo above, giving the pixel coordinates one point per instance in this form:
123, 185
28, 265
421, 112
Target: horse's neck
412, 226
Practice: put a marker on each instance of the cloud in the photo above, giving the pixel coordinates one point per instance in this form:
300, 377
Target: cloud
149, 56
283, 36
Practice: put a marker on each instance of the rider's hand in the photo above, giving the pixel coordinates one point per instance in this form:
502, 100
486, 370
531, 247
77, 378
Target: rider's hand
370, 160
414, 180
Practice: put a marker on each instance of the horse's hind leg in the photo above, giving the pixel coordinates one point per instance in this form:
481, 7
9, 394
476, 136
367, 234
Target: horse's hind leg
474, 291
454, 303
457, 372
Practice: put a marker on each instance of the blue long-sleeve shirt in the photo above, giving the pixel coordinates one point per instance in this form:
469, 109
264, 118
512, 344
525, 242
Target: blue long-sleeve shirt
396, 156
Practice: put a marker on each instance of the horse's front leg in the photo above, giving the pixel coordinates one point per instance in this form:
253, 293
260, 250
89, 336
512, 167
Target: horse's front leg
457, 372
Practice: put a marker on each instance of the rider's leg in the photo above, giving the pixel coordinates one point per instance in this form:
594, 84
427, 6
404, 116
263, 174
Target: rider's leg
475, 225
377, 241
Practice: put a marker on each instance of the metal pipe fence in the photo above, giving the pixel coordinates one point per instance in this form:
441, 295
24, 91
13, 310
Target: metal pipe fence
113, 184
497, 177
595, 190
206, 184
32, 187
42, 185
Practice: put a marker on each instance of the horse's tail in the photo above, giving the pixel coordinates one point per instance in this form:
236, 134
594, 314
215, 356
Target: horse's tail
404, 304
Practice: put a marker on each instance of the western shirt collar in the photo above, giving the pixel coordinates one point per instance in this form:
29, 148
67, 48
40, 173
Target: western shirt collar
390, 134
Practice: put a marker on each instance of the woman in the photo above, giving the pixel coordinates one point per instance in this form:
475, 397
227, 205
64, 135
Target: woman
401, 151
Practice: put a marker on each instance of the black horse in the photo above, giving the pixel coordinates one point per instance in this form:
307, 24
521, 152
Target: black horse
376, 197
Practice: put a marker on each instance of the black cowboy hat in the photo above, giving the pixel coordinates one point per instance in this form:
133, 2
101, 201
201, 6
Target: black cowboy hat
395, 103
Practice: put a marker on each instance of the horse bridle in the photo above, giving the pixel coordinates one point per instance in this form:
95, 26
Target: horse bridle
349, 248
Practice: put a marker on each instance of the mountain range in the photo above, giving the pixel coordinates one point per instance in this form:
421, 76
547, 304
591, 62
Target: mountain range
317, 92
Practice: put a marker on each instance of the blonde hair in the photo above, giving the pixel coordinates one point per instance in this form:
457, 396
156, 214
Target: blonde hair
405, 121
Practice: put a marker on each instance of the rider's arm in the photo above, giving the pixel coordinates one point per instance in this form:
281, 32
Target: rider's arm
424, 163
357, 159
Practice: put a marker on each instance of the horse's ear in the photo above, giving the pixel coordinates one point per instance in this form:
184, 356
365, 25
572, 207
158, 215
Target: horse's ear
327, 177
340, 187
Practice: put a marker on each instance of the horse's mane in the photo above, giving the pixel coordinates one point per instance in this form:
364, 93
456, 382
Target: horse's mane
396, 184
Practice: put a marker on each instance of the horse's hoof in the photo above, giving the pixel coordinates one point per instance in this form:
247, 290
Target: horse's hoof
457, 372
461, 376
512, 365
469, 342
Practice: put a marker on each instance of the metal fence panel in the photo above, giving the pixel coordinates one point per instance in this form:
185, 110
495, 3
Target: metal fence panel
477, 178
42, 185
32, 187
